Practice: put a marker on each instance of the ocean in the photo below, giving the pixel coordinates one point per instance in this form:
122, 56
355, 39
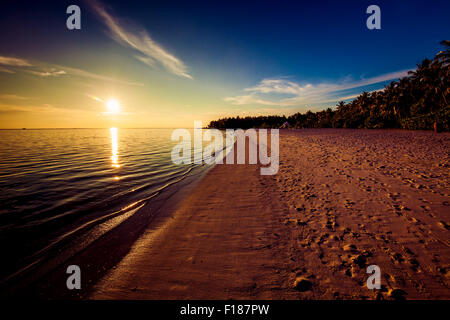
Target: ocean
61, 185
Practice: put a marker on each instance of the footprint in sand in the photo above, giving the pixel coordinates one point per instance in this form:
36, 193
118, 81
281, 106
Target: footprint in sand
302, 284
394, 196
414, 265
397, 258
442, 270
397, 294
444, 225
360, 260
408, 251
350, 247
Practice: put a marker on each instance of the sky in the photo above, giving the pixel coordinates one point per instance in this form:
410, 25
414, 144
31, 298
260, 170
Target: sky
169, 63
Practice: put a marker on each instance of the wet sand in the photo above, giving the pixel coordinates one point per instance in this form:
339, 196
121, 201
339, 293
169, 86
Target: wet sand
341, 201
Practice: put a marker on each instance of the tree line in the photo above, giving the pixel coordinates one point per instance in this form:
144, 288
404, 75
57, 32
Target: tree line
419, 101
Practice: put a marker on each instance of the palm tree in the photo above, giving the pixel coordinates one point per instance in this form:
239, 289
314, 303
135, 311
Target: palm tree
412, 102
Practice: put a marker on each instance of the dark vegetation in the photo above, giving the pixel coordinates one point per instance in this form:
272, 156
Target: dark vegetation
419, 101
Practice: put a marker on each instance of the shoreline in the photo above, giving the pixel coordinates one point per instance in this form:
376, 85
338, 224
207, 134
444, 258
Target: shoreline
47, 278
214, 236
342, 200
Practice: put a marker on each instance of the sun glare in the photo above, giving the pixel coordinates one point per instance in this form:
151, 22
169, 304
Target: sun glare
113, 106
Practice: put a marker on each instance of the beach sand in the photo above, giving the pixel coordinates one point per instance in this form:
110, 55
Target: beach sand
341, 201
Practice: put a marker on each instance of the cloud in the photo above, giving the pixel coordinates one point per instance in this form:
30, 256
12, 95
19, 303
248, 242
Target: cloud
43, 69
249, 99
278, 86
14, 62
148, 61
268, 91
13, 97
58, 70
48, 73
150, 52
85, 74
44, 108
6, 70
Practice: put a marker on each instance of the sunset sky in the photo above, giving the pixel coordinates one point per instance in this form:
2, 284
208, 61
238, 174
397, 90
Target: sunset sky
168, 63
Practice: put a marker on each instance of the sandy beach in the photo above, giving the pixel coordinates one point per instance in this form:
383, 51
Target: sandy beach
341, 201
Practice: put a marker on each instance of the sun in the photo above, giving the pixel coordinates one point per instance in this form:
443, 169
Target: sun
113, 106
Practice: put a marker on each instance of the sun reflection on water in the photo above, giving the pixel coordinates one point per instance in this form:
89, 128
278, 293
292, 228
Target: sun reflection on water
115, 148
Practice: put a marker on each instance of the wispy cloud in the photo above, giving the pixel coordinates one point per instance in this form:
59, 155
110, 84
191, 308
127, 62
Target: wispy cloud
5, 70
43, 108
86, 74
279, 86
13, 97
150, 52
14, 62
250, 99
47, 70
52, 73
268, 91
